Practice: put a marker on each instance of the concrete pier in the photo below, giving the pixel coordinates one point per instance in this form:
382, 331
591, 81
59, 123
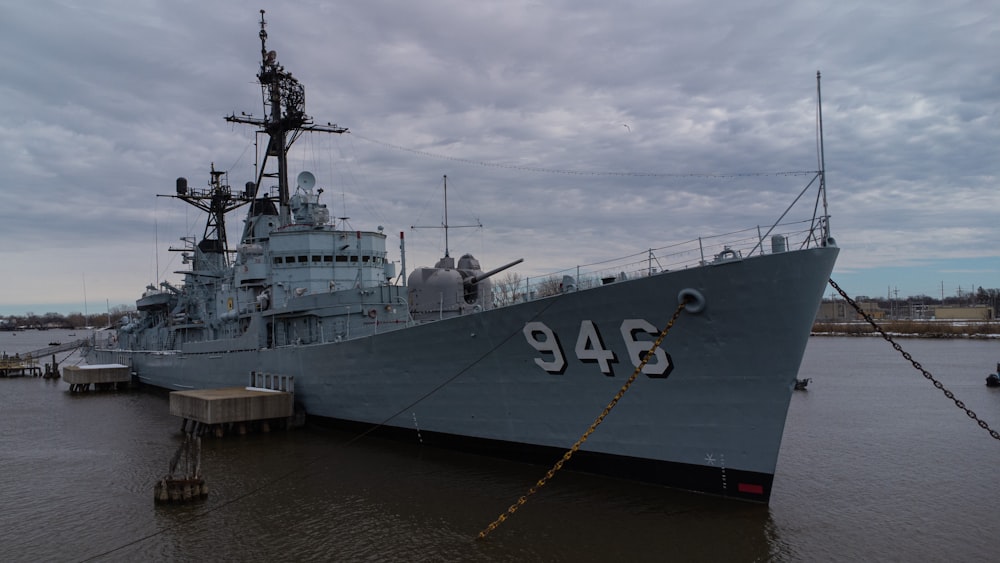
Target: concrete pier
104, 377
235, 409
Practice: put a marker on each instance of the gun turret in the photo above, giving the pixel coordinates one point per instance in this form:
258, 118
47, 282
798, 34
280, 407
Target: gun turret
484, 275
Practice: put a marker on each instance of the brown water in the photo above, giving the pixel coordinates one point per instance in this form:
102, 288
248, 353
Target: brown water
876, 465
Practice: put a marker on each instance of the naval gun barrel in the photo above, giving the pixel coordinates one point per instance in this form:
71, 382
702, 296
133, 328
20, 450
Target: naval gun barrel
171, 288
483, 276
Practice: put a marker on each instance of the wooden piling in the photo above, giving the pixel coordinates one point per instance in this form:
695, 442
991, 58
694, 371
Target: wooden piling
188, 487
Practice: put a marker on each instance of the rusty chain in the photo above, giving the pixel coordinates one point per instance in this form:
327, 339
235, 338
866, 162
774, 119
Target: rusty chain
569, 453
958, 403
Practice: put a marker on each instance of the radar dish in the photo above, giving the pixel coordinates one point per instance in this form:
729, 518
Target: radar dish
306, 180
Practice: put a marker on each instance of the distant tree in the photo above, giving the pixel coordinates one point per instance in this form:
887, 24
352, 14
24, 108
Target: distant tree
989, 297
72, 320
505, 289
53, 320
119, 311
587, 282
76, 320
549, 286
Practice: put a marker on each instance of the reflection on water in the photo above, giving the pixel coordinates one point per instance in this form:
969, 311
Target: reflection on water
876, 464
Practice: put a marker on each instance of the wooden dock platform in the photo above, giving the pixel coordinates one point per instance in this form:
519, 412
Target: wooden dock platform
27, 364
17, 366
236, 409
103, 377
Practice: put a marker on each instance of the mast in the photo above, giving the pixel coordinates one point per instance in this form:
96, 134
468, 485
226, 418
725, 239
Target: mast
445, 225
822, 162
216, 201
446, 254
285, 118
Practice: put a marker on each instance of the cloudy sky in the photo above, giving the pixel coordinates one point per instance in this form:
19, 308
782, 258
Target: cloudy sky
571, 130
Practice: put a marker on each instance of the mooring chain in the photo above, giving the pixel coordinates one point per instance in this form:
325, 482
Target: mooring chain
958, 403
597, 422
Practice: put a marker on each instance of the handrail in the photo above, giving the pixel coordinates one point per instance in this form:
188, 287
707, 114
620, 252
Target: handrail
696, 252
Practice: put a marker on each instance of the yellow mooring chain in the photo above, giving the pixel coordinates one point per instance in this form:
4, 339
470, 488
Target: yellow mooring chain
916, 365
597, 422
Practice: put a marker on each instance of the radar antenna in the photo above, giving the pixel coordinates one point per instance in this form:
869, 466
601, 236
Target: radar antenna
215, 201
445, 225
285, 118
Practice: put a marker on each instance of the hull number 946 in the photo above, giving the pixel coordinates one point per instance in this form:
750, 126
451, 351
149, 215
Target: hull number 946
590, 348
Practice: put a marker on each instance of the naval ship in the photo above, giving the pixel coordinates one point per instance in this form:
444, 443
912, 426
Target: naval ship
447, 357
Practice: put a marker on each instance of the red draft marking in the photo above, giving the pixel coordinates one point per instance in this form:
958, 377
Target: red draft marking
750, 488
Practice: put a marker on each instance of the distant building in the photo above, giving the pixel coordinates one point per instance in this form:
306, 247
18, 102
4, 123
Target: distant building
969, 313
832, 311
840, 311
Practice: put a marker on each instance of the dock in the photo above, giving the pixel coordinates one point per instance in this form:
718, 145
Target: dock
27, 364
104, 377
16, 366
268, 402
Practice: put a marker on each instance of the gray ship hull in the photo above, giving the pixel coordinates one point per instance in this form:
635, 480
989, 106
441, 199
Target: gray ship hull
527, 380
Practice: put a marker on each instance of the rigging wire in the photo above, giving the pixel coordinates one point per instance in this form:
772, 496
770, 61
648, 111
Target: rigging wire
240, 158
580, 172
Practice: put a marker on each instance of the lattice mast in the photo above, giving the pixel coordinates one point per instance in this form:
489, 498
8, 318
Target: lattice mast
285, 118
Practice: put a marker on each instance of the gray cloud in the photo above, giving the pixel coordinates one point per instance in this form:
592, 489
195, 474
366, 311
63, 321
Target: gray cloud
106, 104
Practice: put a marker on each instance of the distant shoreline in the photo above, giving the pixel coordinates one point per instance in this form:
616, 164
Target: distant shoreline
905, 335
970, 330
973, 330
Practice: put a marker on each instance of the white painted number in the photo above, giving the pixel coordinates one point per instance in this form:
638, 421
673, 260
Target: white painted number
549, 345
590, 347
658, 365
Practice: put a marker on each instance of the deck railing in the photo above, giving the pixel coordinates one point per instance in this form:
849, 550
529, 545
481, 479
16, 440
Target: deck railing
678, 256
